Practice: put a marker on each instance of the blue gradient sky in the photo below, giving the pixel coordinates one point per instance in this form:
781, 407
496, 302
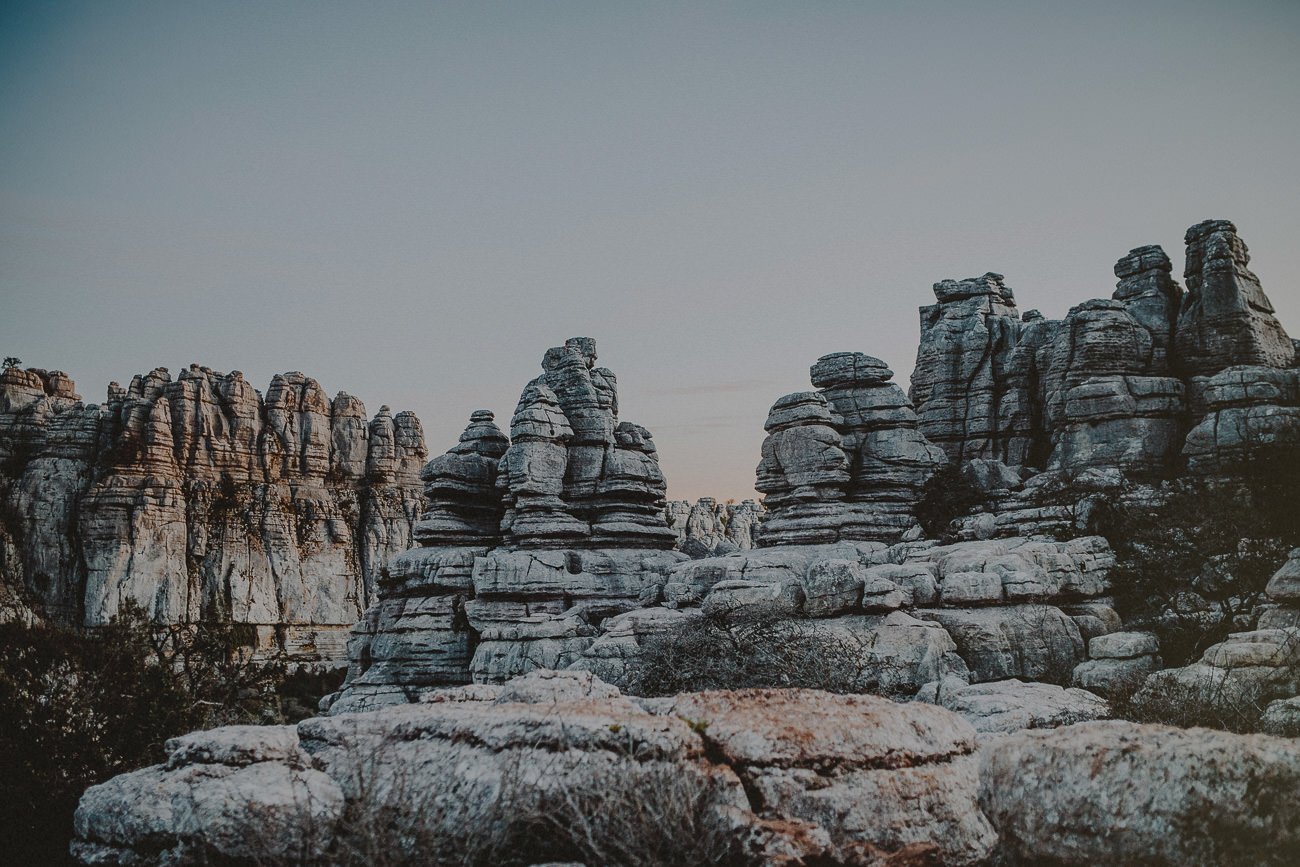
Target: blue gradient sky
411, 202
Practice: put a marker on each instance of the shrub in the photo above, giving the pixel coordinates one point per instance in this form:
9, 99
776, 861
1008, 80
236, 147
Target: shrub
947, 495
78, 708
1215, 539
742, 649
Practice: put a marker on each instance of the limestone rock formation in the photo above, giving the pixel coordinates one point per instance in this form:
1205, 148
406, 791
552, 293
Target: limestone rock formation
708, 528
778, 777
1246, 669
1245, 408
1226, 319
1118, 661
1122, 793
1002, 707
847, 462
1283, 590
527, 544
196, 498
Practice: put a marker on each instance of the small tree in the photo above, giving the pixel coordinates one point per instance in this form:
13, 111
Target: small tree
1217, 539
12, 361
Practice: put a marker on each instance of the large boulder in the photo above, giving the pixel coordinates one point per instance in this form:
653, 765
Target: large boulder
561, 767
1122, 793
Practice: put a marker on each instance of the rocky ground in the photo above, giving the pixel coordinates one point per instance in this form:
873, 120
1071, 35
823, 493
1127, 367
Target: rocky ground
763, 777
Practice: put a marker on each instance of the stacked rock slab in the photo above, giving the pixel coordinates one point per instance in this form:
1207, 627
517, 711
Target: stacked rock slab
1226, 319
846, 463
962, 364
195, 498
527, 544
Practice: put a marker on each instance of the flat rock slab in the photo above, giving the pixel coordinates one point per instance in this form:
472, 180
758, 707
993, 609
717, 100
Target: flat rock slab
1123, 793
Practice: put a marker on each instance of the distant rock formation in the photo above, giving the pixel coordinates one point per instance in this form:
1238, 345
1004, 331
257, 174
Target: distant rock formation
708, 528
1118, 383
197, 498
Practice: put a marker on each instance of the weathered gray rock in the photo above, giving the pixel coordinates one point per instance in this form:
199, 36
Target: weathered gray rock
463, 506
708, 528
962, 364
1246, 408
1006, 706
803, 472
1152, 297
1033, 642
1118, 661
1284, 590
842, 779
1249, 668
244, 792
196, 498
1122, 793
1226, 319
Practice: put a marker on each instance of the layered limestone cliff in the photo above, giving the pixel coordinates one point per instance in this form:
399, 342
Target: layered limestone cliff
198, 498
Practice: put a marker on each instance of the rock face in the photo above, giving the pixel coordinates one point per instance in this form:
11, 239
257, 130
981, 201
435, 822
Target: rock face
1118, 382
779, 777
197, 498
527, 544
708, 528
1122, 793
846, 463
1148, 383
1226, 320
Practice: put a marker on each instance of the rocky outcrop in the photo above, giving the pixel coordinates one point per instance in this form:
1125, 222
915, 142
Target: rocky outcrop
708, 528
1283, 592
1248, 669
1226, 319
527, 545
1118, 382
1246, 408
1118, 661
1121, 793
845, 463
1002, 707
964, 360
197, 498
775, 777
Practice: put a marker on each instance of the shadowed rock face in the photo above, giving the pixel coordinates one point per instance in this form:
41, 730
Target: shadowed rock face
1117, 383
845, 463
196, 497
1226, 318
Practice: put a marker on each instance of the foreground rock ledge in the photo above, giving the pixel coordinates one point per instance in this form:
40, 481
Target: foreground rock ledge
1122, 793
789, 776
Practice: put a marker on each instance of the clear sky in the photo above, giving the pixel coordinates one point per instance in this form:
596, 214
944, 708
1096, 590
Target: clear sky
412, 201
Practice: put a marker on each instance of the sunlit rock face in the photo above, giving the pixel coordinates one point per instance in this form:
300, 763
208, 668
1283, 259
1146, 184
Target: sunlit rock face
197, 498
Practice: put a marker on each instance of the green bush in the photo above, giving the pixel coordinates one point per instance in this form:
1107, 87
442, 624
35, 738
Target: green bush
947, 495
1214, 539
78, 708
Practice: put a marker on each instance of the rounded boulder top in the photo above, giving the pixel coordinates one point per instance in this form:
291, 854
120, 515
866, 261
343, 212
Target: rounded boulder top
849, 368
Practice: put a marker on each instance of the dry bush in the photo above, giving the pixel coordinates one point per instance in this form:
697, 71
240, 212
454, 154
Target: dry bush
746, 648
78, 708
